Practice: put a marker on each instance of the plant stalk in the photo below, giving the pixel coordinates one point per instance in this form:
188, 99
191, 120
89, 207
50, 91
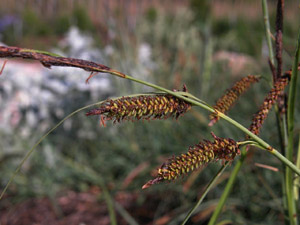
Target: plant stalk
268, 30
207, 189
227, 189
290, 150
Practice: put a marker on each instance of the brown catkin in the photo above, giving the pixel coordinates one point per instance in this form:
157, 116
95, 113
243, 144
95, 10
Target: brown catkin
197, 155
270, 100
229, 98
141, 107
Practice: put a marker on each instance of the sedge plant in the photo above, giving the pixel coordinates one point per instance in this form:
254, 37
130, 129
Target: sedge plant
168, 104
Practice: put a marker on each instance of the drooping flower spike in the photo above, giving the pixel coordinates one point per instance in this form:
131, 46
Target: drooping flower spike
230, 97
198, 155
145, 107
259, 117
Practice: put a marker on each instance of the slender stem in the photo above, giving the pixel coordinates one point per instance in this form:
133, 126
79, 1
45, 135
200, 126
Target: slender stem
283, 183
204, 105
288, 163
248, 142
207, 189
281, 122
44, 136
297, 180
290, 150
89, 173
268, 30
207, 57
123, 212
185, 96
39, 51
227, 189
38, 142
110, 205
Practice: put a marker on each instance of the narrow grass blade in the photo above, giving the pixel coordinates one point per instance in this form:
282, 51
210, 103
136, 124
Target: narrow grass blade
38, 142
123, 212
207, 189
227, 189
44, 136
268, 30
297, 180
98, 180
289, 154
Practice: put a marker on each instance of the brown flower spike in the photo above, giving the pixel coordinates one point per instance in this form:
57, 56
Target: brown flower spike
197, 155
270, 100
141, 107
229, 98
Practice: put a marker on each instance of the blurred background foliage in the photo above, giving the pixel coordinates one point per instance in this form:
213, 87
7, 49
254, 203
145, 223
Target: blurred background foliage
206, 45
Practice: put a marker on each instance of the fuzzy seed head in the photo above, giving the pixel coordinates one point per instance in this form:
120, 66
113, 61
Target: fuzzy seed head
197, 156
227, 101
259, 118
142, 107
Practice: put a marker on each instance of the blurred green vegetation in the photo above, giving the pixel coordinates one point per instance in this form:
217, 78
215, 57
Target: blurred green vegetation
177, 45
31, 25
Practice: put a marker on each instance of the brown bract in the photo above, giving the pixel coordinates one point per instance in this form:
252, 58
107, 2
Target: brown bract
49, 60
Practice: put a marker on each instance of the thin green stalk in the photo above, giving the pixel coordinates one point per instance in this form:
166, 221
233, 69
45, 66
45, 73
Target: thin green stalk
38, 142
193, 100
289, 155
182, 95
227, 189
281, 122
207, 189
207, 57
43, 137
297, 180
94, 177
268, 30
283, 179
123, 212
39, 51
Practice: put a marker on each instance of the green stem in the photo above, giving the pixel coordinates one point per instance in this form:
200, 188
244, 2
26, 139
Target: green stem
123, 212
297, 180
284, 139
204, 105
207, 57
90, 174
268, 30
38, 142
207, 189
281, 122
227, 189
193, 100
290, 150
44, 136
39, 51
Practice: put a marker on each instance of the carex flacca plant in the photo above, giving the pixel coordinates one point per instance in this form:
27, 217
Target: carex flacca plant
174, 104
